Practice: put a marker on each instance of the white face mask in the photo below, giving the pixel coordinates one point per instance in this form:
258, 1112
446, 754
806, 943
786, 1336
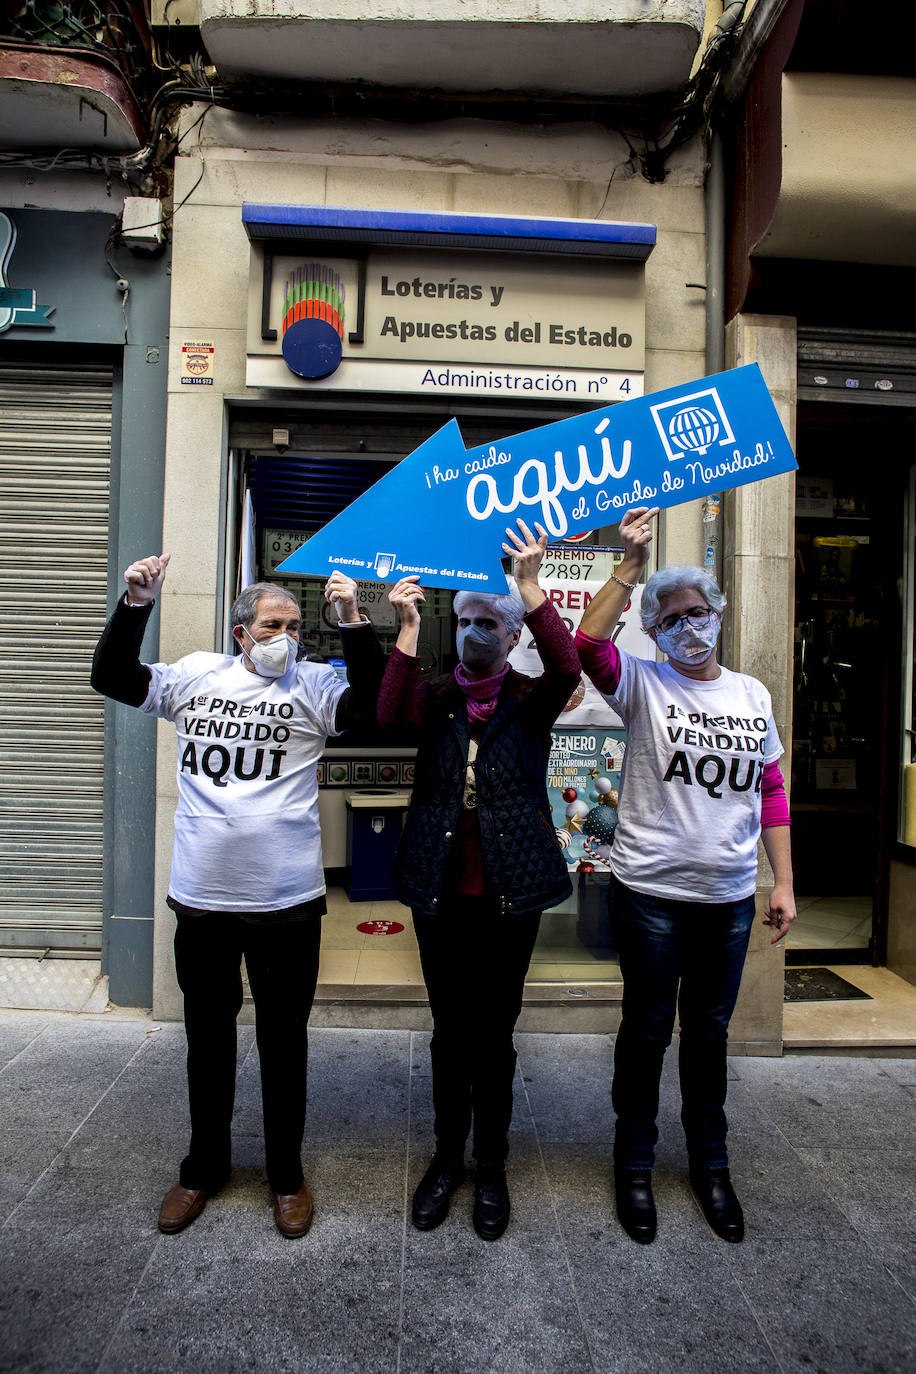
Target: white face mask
688, 645
272, 657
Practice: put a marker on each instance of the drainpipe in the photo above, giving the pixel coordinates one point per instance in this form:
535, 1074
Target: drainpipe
715, 325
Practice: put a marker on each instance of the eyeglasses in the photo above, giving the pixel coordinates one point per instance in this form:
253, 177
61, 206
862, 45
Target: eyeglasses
697, 618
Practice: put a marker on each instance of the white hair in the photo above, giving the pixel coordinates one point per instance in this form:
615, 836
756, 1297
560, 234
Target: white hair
668, 580
509, 606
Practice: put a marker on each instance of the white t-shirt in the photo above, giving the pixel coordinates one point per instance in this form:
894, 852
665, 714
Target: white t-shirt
689, 817
247, 836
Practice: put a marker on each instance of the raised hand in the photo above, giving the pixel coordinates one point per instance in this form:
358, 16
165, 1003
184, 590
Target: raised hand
528, 553
145, 578
527, 550
340, 592
406, 597
636, 534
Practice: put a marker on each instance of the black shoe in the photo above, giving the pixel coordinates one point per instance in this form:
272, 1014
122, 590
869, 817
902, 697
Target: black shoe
491, 1204
636, 1205
719, 1201
431, 1200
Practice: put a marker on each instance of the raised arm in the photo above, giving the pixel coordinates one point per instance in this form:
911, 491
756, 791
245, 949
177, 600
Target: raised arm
599, 657
116, 668
562, 669
527, 552
398, 703
362, 654
603, 610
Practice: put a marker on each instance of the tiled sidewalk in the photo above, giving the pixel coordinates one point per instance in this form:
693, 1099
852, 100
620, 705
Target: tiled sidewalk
93, 1122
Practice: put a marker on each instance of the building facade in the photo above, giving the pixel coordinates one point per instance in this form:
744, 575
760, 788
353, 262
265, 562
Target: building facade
424, 198
505, 220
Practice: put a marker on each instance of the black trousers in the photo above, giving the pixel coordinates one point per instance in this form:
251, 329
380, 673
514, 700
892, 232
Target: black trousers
282, 964
474, 965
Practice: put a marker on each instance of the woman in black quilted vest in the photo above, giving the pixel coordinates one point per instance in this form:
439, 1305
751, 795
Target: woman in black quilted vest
479, 859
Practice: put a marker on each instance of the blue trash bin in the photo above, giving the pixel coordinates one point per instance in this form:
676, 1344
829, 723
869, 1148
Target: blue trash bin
375, 819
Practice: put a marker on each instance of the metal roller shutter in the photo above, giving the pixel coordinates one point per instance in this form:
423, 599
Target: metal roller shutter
856, 366
55, 442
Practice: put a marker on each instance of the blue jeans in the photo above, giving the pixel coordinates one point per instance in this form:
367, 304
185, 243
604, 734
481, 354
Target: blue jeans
685, 957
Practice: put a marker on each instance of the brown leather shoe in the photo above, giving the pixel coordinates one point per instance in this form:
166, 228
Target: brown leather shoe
179, 1208
293, 1212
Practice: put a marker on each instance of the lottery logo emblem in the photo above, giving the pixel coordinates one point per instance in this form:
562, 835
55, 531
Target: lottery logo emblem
692, 424
313, 321
383, 564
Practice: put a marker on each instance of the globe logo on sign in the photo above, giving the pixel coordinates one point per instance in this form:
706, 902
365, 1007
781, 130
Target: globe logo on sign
692, 424
693, 429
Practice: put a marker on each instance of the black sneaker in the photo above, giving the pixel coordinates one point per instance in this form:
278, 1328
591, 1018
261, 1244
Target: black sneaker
491, 1203
432, 1198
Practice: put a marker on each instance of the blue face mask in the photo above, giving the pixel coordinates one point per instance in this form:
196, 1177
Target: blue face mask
691, 647
477, 647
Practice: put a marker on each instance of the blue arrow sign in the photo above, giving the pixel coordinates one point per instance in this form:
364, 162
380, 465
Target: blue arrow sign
443, 510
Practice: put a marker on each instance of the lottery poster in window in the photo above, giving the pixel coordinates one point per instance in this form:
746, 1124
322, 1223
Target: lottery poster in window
571, 597
583, 784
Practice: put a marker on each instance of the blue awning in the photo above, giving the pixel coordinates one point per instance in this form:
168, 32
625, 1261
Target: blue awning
335, 225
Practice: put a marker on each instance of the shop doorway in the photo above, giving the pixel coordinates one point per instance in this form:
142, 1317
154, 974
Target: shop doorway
850, 630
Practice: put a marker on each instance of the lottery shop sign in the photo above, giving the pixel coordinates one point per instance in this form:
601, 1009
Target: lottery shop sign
446, 320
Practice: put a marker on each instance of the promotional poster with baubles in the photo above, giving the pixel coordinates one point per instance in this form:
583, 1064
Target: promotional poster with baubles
583, 783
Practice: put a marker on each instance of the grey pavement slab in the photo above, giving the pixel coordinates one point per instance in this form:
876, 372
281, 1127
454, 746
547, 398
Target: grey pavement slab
901, 1070
672, 1305
72, 1255
833, 1308
16, 1034
231, 1293
822, 1102
358, 1087
508, 1300
93, 1121
24, 1156
879, 1202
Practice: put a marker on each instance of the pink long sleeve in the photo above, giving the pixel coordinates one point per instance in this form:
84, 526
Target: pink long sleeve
774, 808
600, 660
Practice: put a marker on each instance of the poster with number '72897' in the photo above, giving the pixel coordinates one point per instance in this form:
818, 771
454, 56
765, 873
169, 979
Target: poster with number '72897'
586, 706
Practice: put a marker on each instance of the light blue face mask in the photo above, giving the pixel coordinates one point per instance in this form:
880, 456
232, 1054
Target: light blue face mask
477, 647
689, 646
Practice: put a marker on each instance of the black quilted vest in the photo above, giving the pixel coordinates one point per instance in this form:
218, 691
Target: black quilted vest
523, 865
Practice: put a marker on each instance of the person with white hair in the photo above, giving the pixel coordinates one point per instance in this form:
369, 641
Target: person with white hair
479, 859
700, 785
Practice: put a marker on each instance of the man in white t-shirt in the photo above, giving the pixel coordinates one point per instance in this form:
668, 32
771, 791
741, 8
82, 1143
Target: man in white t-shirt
700, 786
247, 877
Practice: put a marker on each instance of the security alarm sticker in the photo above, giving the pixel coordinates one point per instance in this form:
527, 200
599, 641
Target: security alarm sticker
196, 362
